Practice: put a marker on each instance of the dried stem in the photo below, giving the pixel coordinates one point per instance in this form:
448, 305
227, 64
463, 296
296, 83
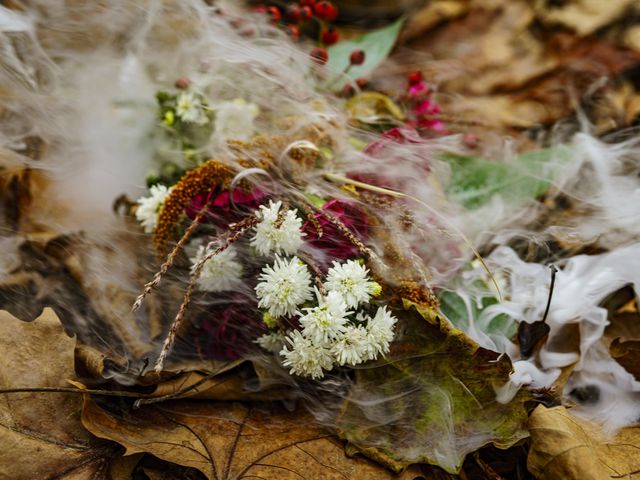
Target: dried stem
170, 259
109, 393
317, 274
142, 399
237, 231
309, 213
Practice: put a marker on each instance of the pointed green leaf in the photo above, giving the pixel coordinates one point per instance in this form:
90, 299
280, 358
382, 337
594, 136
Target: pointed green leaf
376, 45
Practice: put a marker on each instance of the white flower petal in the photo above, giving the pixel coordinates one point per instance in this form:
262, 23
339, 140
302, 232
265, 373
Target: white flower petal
149, 207
350, 279
284, 286
221, 272
305, 357
271, 235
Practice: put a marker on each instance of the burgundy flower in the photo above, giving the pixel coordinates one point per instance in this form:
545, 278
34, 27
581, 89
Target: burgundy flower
222, 211
333, 243
227, 331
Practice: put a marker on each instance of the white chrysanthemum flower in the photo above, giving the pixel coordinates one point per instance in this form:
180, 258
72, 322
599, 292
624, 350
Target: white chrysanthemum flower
326, 321
305, 357
271, 342
149, 207
351, 346
379, 333
189, 109
221, 272
284, 286
234, 120
275, 234
350, 279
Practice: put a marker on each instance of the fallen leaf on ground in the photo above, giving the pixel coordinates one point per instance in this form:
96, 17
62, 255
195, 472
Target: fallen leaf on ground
582, 16
41, 433
231, 440
622, 335
434, 399
564, 446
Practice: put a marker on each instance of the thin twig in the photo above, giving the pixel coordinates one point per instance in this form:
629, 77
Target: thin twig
170, 259
108, 393
554, 271
239, 229
142, 399
169, 396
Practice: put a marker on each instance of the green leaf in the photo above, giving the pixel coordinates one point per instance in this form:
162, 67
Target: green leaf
433, 400
458, 312
476, 180
376, 45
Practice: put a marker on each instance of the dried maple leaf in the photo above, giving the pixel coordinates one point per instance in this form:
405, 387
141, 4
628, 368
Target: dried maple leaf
232, 441
41, 433
564, 446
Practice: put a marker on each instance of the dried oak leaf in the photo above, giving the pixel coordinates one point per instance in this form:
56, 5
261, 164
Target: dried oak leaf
565, 446
433, 400
232, 441
41, 433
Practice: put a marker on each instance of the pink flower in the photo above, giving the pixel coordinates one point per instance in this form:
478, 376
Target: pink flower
222, 211
419, 89
423, 110
333, 244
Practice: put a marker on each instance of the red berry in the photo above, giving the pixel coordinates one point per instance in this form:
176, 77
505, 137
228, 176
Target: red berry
260, 9
306, 13
415, 77
357, 57
276, 14
347, 90
361, 82
182, 83
294, 31
293, 14
330, 36
307, 3
319, 55
326, 11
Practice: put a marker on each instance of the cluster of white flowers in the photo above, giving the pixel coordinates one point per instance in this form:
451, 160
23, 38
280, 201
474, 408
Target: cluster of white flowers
149, 207
219, 273
332, 331
190, 109
277, 232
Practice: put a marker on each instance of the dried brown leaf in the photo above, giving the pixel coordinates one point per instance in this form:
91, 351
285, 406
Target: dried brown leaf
622, 335
41, 434
227, 386
564, 446
582, 16
225, 440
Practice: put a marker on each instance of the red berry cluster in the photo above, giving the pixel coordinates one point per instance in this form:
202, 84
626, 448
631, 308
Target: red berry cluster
295, 16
